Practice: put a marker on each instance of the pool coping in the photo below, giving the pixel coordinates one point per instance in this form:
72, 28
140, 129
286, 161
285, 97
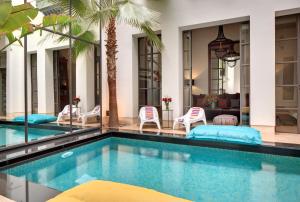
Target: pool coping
37, 153
48, 138
283, 150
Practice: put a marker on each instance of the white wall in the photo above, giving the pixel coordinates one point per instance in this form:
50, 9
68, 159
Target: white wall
125, 82
44, 50
178, 15
45, 81
85, 80
15, 80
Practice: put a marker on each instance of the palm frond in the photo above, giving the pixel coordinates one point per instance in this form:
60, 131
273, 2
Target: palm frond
136, 14
103, 11
141, 18
18, 17
79, 8
124, 11
152, 36
80, 46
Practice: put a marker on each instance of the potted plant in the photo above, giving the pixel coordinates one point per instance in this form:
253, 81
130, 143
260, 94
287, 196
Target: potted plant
212, 100
76, 100
167, 101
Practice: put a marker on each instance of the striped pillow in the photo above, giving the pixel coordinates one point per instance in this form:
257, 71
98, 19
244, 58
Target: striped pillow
149, 113
195, 112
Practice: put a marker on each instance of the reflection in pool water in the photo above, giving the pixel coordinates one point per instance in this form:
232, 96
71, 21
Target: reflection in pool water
195, 173
12, 134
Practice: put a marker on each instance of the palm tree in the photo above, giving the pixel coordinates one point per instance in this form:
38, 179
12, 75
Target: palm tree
89, 13
86, 14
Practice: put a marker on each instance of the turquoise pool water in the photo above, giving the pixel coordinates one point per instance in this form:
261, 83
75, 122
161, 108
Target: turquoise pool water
195, 173
11, 134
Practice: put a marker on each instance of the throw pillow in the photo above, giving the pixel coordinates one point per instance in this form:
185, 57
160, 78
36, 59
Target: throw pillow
223, 103
198, 100
202, 102
235, 103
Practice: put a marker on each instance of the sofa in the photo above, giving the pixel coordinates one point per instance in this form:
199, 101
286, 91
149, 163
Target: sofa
226, 104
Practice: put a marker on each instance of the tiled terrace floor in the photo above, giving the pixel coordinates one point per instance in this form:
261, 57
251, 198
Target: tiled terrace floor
268, 134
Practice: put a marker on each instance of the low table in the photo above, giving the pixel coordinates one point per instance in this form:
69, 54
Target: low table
225, 119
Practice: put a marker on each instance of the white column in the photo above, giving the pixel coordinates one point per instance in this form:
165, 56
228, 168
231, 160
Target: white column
85, 80
135, 78
262, 72
45, 81
15, 80
172, 77
125, 73
29, 107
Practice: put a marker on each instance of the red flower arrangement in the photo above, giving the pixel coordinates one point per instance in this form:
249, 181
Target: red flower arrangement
167, 101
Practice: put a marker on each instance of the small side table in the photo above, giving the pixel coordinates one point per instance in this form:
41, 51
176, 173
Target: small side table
169, 113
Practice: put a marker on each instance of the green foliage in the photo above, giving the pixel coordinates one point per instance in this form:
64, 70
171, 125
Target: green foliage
141, 18
80, 46
89, 13
5, 10
86, 14
80, 8
54, 19
18, 19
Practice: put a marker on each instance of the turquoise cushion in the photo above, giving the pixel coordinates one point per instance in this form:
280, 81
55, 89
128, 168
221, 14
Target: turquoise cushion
234, 134
36, 118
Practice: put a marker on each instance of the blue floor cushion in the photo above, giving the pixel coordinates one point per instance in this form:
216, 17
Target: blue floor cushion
234, 134
36, 118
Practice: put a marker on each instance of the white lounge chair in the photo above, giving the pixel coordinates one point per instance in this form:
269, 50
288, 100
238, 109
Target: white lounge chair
65, 113
149, 114
94, 113
194, 115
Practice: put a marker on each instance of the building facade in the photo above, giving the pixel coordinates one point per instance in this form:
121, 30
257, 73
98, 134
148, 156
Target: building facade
165, 71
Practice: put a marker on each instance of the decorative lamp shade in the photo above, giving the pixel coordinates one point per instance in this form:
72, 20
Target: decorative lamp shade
221, 44
231, 57
220, 52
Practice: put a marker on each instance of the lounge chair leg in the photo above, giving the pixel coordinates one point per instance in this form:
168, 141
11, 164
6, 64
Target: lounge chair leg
204, 119
174, 125
158, 125
141, 126
84, 120
187, 127
58, 119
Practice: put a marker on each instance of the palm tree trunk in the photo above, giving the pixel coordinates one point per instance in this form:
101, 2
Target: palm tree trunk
111, 51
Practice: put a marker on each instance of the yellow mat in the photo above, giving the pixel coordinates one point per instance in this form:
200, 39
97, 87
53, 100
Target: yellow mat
105, 191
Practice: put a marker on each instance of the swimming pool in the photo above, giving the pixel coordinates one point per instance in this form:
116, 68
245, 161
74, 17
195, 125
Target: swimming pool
191, 172
13, 134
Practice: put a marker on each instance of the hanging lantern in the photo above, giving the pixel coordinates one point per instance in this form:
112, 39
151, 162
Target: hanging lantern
231, 57
221, 44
